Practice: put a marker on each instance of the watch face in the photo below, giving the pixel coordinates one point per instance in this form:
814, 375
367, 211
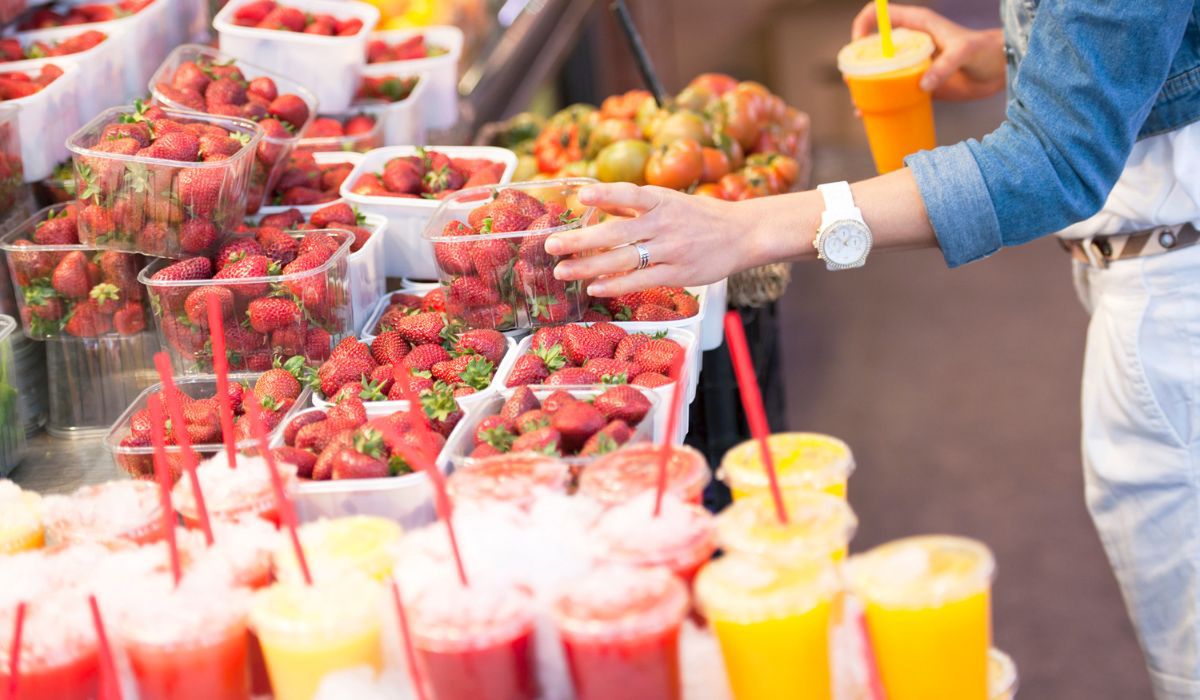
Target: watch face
845, 242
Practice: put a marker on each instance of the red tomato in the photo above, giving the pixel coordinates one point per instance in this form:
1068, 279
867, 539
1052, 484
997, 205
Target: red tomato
677, 166
716, 164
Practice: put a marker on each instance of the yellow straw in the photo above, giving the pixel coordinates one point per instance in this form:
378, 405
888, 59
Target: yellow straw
885, 28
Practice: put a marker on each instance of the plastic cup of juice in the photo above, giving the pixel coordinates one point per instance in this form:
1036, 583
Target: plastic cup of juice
475, 643
367, 544
114, 513
772, 624
307, 632
819, 525
232, 494
620, 630
619, 476
897, 113
806, 461
1002, 676
681, 538
20, 519
928, 610
58, 649
515, 479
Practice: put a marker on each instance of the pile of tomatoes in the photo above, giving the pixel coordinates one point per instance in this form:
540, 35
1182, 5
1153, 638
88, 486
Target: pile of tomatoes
718, 137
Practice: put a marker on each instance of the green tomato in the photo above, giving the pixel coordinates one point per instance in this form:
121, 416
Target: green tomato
684, 124
623, 161
526, 168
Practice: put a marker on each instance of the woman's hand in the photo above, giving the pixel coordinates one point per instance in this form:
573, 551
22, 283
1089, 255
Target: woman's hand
968, 64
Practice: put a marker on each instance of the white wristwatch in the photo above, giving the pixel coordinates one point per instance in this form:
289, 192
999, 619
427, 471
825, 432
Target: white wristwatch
843, 240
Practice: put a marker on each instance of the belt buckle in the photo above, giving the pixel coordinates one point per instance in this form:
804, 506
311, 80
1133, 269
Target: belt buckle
1095, 254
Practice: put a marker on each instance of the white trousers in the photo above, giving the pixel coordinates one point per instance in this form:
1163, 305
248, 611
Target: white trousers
1141, 450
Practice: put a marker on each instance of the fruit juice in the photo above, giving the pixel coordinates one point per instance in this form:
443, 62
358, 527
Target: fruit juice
896, 112
475, 643
680, 538
819, 525
1002, 676
806, 461
58, 649
362, 543
20, 519
772, 624
115, 513
620, 631
928, 611
619, 476
308, 632
516, 479
231, 494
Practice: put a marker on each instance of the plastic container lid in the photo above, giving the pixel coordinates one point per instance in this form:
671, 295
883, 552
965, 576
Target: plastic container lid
366, 544
509, 478
230, 491
745, 589
460, 204
1002, 676
450, 617
922, 572
621, 475
331, 608
104, 512
83, 141
864, 57
617, 602
680, 537
802, 460
819, 525
201, 610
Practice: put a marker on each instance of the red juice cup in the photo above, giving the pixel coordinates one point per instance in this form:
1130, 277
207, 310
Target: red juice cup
515, 479
232, 494
682, 537
240, 553
114, 513
475, 643
619, 476
59, 657
620, 631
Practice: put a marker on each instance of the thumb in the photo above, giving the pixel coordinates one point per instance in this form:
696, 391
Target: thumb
945, 65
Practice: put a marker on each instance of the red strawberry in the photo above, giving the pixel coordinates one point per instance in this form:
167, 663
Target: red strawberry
608, 371
323, 469
282, 220
347, 413
522, 400
302, 460
651, 380
389, 348
482, 451
520, 202
623, 403
422, 358
454, 258
338, 213
314, 435
422, 328
196, 304
528, 369
576, 422
548, 336
175, 146
435, 300
571, 376
685, 303
264, 87
249, 267
629, 345
581, 343
57, 230
610, 437
478, 215
293, 427
658, 355
441, 410
130, 319
610, 330
401, 176
70, 276
491, 257
224, 91
106, 296
622, 307
235, 250
504, 220
496, 431
203, 422
316, 344
278, 245
291, 109
544, 440
352, 464
200, 190
531, 420
267, 314
472, 292
556, 400
471, 370
654, 312
489, 343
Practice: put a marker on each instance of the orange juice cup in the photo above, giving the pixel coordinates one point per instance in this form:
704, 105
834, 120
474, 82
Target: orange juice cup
1002, 676
20, 519
896, 112
803, 461
819, 526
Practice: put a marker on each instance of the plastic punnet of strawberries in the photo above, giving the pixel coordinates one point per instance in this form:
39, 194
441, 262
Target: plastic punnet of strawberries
428, 175
563, 424
12, 50
338, 215
63, 287
14, 86
267, 14
346, 132
386, 88
305, 182
602, 353
412, 48
87, 13
162, 182
284, 295
401, 304
275, 390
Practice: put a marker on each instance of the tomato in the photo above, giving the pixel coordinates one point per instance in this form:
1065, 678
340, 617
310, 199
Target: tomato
716, 164
648, 117
742, 185
684, 124
610, 131
556, 146
527, 167
785, 168
572, 114
716, 83
623, 161
741, 115
774, 183
678, 165
709, 189
624, 106
733, 149
696, 98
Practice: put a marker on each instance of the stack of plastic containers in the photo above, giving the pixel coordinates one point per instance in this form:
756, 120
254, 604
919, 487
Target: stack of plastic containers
12, 424
439, 105
101, 65
46, 118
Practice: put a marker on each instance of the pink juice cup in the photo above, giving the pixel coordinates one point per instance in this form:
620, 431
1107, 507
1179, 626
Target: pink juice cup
233, 494
58, 649
619, 476
114, 513
681, 538
515, 479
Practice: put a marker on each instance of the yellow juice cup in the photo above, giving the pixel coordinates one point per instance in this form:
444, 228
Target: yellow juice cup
366, 544
772, 624
819, 526
308, 632
804, 461
20, 519
928, 608
1002, 676
897, 113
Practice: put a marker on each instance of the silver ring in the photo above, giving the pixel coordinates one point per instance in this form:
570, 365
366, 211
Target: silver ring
643, 256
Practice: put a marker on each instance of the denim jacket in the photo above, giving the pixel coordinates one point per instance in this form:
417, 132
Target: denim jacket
1087, 79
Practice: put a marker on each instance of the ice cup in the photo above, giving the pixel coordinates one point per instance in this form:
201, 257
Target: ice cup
113, 513
1002, 676
819, 526
680, 538
620, 631
308, 632
58, 649
620, 476
20, 519
233, 494
476, 642
806, 461
772, 624
897, 113
363, 544
928, 612
516, 479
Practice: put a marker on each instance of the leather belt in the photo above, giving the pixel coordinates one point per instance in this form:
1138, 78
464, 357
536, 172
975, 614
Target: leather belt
1099, 251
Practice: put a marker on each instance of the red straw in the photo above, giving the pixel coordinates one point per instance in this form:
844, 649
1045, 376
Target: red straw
752, 403
110, 685
873, 679
414, 677
286, 512
158, 431
175, 409
216, 327
14, 653
664, 455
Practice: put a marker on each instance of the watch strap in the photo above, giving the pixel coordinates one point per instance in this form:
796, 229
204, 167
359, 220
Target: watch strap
838, 198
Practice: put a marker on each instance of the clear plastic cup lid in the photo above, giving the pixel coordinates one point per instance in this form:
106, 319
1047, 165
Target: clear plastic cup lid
452, 617
747, 589
104, 511
332, 547
819, 525
509, 478
802, 460
864, 56
621, 475
1002, 676
331, 608
57, 630
922, 572
203, 608
615, 602
229, 490
681, 534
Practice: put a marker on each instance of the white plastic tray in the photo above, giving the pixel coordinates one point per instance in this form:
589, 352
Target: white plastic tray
402, 122
407, 253
321, 159
441, 98
144, 44
101, 65
712, 325
45, 120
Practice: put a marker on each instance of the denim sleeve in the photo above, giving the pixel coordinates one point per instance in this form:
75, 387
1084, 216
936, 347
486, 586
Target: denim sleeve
1088, 81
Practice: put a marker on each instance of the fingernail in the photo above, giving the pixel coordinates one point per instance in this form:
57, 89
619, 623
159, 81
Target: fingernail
553, 245
561, 271
596, 289
928, 83
587, 195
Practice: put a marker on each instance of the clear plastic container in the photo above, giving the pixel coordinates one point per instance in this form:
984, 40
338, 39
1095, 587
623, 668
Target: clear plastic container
679, 537
365, 545
808, 461
441, 97
1002, 676
271, 156
92, 380
15, 198
138, 461
515, 300
103, 64
12, 423
324, 292
143, 41
46, 311
358, 143
148, 201
322, 159
402, 121
47, 118
331, 64
408, 254
819, 526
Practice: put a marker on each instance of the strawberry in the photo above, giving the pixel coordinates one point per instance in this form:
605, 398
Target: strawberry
347, 413
423, 358
195, 306
454, 258
321, 245
485, 450
200, 190
571, 376
130, 319
278, 245
294, 425
528, 369
491, 258
557, 400
522, 400
202, 422
264, 87
596, 314
224, 91
407, 386
249, 267
543, 440
610, 437
625, 304
267, 314
422, 328
56, 230
389, 348
623, 403
175, 146
547, 336
686, 304
629, 345
496, 431
654, 312
576, 422
352, 464
315, 435
531, 420
435, 300
290, 109
70, 276
381, 382
611, 331
121, 269
323, 469
282, 220
651, 380
609, 371
316, 344
471, 370
441, 410
520, 202
658, 355
489, 343
581, 343
401, 176
504, 220
549, 309
106, 296
472, 292
276, 385
338, 213
235, 250
302, 460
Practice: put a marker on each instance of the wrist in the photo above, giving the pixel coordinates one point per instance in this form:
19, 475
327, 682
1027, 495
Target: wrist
780, 228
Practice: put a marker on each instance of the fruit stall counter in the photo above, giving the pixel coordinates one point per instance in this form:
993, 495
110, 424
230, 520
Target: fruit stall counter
52, 465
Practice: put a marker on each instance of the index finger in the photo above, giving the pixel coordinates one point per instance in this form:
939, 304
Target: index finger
620, 197
609, 234
864, 22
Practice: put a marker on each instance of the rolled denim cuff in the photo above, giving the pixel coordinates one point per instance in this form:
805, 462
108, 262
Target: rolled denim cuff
957, 201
